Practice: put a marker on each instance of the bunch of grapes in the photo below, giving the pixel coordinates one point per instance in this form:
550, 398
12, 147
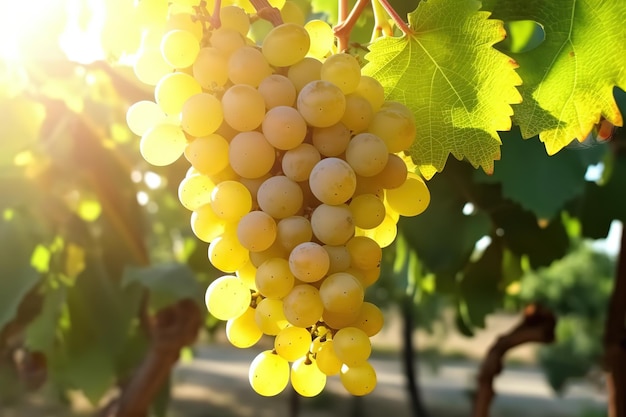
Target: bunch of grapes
297, 181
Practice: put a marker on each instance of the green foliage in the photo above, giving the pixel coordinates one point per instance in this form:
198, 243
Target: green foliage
458, 87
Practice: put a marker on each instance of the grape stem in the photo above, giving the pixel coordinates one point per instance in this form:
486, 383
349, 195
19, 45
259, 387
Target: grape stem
381, 22
344, 27
402, 25
265, 11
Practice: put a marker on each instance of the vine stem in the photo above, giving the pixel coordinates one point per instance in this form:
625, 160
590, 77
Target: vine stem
402, 25
267, 12
344, 27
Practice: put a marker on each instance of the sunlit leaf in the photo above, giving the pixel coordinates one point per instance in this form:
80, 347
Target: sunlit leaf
458, 86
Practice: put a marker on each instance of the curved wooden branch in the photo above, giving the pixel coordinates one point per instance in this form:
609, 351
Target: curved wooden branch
537, 325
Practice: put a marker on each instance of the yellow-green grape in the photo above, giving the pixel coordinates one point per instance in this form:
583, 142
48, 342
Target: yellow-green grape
306, 378
367, 154
244, 107
205, 224
256, 231
247, 65
280, 197
286, 44
368, 211
270, 317
366, 277
251, 155
332, 140
341, 292
358, 113
352, 346
304, 72
242, 331
194, 191
211, 68
284, 127
303, 306
322, 38
227, 40
236, 18
369, 185
394, 174
327, 360
201, 115
184, 21
336, 320
309, 262
321, 103
339, 258
370, 319
274, 251
150, 66
208, 154
247, 273
370, 89
297, 163
292, 13
332, 225
226, 174
292, 231
162, 144
173, 90
180, 48
269, 374
274, 279
227, 254
231, 200
411, 198
364, 252
395, 125
343, 70
277, 90
359, 379
142, 115
292, 342
384, 234
227, 297
332, 181
316, 343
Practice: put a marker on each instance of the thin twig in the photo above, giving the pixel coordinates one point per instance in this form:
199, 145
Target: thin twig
344, 28
265, 11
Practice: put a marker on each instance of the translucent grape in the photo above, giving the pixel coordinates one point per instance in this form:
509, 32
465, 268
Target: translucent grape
180, 48
291, 12
244, 107
341, 292
339, 320
201, 115
368, 211
292, 342
332, 140
304, 72
174, 89
306, 378
395, 125
234, 17
322, 38
370, 89
184, 21
339, 258
280, 197
411, 198
162, 144
309, 262
286, 44
321, 103
227, 40
247, 273
205, 224
277, 90
274, 279
358, 113
384, 234
292, 231
343, 70
297, 163
142, 115
284, 127
332, 181
211, 68
393, 174
227, 297
231, 200
359, 379
251, 155
247, 65
227, 254
269, 374
370, 319
194, 191
364, 252
256, 231
332, 225
327, 360
242, 331
367, 154
208, 154
150, 66
270, 317
303, 306
352, 346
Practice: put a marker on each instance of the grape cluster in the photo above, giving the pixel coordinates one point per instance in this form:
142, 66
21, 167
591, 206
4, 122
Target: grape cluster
297, 181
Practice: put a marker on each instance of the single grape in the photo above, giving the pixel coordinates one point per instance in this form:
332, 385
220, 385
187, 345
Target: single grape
244, 107
162, 144
327, 360
277, 90
226, 253
251, 155
368, 211
364, 252
352, 346
201, 115
292, 231
208, 154
367, 154
306, 378
142, 115
180, 48
332, 140
242, 331
173, 90
370, 319
309, 262
283, 127
280, 197
332, 225
210, 68
256, 231
297, 163
286, 44
332, 181
359, 379
303, 306
292, 342
341, 292
269, 374
321, 103
231, 200
274, 279
227, 297
343, 70
411, 198
247, 65
270, 317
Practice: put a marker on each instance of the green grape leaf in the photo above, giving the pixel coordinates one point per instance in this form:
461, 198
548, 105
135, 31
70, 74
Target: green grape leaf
569, 78
458, 86
540, 183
